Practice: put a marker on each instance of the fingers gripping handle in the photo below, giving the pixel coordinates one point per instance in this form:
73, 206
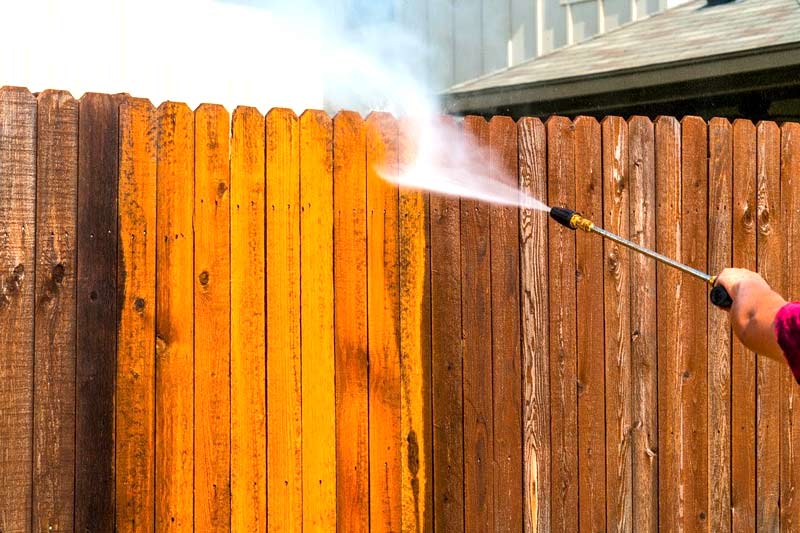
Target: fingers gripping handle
720, 297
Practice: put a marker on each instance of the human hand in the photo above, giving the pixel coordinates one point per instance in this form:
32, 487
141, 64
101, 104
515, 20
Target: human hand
741, 280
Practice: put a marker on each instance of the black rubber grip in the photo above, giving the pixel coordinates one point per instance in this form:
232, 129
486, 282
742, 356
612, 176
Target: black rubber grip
720, 297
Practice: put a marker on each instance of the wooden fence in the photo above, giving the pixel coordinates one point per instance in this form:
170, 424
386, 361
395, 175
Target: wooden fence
218, 322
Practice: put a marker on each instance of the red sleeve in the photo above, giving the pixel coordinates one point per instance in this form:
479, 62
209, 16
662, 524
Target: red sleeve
787, 329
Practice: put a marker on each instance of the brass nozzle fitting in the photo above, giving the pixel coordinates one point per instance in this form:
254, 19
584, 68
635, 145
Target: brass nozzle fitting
579, 222
571, 219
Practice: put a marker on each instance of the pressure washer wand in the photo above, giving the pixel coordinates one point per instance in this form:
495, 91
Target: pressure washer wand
573, 220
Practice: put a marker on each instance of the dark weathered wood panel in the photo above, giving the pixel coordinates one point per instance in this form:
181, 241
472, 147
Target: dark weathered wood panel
769, 373
479, 512
670, 291
790, 426
743, 361
96, 343
506, 365
720, 196
589, 333
617, 272
563, 349
446, 354
17, 289
534, 278
644, 364
54, 365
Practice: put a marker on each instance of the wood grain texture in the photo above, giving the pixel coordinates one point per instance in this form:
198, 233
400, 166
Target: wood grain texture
383, 308
174, 324
447, 403
415, 346
316, 289
506, 354
720, 197
479, 512
589, 333
563, 349
212, 297
17, 289
96, 322
617, 272
769, 373
350, 319
54, 365
534, 276
743, 361
670, 293
248, 323
644, 364
136, 285
693, 323
284, 418
790, 418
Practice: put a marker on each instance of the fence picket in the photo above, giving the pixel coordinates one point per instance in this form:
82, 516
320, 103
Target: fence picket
563, 349
350, 319
97, 241
212, 501
316, 280
534, 280
284, 424
446, 354
136, 283
174, 324
54, 364
743, 361
589, 332
769, 374
479, 512
415, 346
720, 195
248, 323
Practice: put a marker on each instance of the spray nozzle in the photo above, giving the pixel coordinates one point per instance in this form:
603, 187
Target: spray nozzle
571, 219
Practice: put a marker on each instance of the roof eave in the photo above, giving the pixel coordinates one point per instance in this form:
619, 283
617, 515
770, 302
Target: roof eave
753, 60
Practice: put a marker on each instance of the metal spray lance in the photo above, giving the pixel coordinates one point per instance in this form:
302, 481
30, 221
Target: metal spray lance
573, 220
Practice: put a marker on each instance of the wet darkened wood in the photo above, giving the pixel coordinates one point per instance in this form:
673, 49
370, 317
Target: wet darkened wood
589, 333
96, 344
532, 140
644, 393
17, 267
563, 348
720, 196
476, 329
743, 361
54, 365
447, 402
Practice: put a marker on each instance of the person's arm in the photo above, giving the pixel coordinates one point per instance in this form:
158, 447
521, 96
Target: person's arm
753, 311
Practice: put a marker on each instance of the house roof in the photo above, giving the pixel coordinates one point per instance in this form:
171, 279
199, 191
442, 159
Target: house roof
694, 40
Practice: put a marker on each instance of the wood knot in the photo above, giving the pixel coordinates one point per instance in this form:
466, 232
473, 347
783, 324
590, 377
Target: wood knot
203, 278
222, 188
613, 261
11, 285
413, 453
747, 217
58, 274
93, 295
763, 220
685, 374
138, 304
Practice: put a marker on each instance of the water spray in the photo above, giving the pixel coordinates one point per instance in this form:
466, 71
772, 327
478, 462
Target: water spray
574, 221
